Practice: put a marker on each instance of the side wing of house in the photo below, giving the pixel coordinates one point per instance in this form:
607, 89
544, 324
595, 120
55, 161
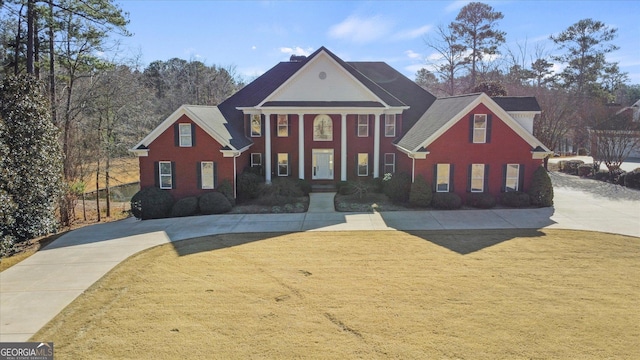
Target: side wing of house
189, 153
470, 144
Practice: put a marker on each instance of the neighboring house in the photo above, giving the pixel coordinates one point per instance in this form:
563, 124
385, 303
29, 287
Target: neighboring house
325, 120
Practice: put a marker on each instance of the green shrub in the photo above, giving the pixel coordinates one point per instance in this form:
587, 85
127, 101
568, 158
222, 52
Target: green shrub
358, 188
614, 176
541, 190
570, 166
226, 187
585, 170
602, 175
214, 203
622, 178
342, 187
420, 194
397, 187
446, 201
249, 185
516, 199
304, 186
185, 207
151, 203
481, 200
375, 184
279, 193
632, 179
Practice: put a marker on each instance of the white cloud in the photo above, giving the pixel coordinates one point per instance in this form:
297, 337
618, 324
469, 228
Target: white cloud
413, 33
296, 51
253, 47
361, 30
412, 54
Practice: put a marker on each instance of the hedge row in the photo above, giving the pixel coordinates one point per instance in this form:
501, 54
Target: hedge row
154, 203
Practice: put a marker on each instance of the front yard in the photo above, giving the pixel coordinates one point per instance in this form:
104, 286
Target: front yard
489, 294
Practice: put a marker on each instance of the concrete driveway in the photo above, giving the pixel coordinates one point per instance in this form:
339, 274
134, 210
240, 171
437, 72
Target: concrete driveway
35, 290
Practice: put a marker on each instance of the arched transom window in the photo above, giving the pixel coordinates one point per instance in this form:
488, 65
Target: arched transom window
322, 128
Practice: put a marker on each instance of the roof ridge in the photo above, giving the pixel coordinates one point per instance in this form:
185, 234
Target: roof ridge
459, 96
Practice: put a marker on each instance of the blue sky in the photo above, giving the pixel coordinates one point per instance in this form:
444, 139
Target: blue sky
252, 36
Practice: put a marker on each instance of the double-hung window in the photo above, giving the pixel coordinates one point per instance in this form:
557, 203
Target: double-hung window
390, 125
256, 125
389, 163
256, 159
363, 125
443, 177
283, 126
207, 174
512, 177
363, 164
185, 135
479, 128
477, 177
283, 164
165, 175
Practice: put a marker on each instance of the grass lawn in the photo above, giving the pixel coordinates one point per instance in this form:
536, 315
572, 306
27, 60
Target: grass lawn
511, 294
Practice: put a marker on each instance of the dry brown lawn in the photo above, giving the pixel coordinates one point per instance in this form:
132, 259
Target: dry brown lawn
122, 171
499, 294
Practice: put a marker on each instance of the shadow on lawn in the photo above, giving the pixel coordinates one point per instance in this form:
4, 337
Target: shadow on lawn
217, 242
469, 241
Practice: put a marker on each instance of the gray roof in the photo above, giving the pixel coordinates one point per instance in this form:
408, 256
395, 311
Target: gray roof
517, 103
434, 118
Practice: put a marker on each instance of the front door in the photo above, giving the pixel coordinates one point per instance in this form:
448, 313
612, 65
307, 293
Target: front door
322, 164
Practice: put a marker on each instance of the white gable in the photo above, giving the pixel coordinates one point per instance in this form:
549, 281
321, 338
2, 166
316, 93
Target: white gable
322, 79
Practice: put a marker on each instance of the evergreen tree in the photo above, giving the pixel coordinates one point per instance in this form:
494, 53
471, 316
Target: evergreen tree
475, 26
7, 205
33, 161
541, 191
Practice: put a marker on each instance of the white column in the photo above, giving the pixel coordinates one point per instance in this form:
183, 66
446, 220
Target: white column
267, 148
376, 147
343, 148
301, 146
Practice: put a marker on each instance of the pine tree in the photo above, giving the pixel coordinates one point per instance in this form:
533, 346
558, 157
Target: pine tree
34, 159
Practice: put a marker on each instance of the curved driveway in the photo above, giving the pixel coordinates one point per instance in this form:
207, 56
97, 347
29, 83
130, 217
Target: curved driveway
35, 290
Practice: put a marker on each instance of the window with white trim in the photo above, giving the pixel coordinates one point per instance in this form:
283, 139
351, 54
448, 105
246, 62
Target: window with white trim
283, 126
442, 177
479, 128
363, 125
512, 177
363, 164
207, 175
256, 159
477, 177
389, 163
283, 164
256, 125
185, 135
165, 175
390, 125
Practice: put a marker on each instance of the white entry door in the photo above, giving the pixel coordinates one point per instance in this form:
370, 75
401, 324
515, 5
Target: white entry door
322, 164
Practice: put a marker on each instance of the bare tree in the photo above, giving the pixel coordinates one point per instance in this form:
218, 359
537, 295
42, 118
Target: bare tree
450, 56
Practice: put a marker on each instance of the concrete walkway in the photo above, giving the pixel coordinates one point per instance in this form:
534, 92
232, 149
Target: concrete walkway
35, 290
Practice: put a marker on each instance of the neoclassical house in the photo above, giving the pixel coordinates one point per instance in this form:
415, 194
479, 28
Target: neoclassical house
325, 120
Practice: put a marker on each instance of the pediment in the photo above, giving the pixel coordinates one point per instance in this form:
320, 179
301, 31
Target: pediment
322, 79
